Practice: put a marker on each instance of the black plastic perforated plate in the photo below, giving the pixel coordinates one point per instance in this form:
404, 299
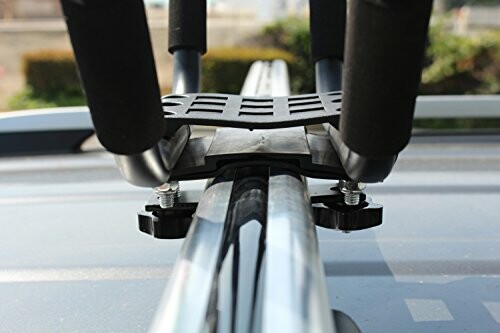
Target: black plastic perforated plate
250, 112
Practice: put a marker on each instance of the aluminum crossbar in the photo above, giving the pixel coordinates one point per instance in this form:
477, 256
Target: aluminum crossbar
250, 262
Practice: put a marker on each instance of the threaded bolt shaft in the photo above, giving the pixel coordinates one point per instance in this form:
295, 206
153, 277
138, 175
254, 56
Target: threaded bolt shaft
351, 199
168, 194
166, 200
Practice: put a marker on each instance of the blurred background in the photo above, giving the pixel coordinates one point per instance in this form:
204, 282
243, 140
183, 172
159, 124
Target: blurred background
37, 68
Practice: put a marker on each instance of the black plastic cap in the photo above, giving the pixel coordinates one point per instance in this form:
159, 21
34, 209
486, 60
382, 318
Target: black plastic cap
113, 51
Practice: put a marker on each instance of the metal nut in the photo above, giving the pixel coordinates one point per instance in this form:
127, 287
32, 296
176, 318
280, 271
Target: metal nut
352, 191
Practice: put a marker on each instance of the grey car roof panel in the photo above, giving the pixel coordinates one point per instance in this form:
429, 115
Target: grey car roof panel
72, 259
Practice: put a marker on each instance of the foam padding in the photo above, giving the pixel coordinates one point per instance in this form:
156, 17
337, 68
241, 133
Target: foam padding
115, 60
327, 24
187, 25
383, 63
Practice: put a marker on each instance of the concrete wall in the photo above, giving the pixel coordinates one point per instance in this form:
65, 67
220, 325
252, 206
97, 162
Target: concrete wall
17, 38
27, 9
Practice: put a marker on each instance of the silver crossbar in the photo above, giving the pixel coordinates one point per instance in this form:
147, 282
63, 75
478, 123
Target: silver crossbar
250, 262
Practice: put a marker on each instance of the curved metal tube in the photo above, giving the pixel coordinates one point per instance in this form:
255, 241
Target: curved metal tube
280, 85
328, 75
293, 263
187, 72
357, 167
152, 167
252, 79
185, 303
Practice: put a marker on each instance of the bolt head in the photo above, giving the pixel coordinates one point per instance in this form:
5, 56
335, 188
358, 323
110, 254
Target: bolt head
349, 186
164, 188
167, 187
174, 185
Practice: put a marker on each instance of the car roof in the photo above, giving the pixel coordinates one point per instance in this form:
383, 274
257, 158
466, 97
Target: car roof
73, 259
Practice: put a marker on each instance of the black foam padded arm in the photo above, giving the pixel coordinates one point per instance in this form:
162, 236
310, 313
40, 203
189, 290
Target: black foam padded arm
187, 25
111, 42
327, 25
383, 63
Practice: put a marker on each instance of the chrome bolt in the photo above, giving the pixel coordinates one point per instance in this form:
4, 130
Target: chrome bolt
168, 194
352, 191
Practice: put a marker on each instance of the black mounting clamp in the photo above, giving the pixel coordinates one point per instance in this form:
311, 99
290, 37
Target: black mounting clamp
331, 210
328, 203
166, 223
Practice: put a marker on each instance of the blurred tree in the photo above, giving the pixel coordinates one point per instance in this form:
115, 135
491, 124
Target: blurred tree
292, 35
454, 64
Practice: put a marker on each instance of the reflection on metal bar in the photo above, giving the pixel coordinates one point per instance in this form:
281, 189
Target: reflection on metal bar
295, 295
252, 79
328, 75
280, 83
187, 72
185, 302
264, 87
267, 79
472, 106
152, 167
238, 288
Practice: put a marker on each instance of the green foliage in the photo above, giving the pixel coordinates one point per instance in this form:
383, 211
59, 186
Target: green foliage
26, 99
50, 73
51, 81
462, 64
224, 70
454, 65
292, 35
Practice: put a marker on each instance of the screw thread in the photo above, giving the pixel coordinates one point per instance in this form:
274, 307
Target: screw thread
166, 200
351, 199
168, 195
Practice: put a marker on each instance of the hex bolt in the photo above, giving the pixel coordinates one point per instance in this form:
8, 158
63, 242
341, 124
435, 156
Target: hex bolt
352, 191
168, 194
